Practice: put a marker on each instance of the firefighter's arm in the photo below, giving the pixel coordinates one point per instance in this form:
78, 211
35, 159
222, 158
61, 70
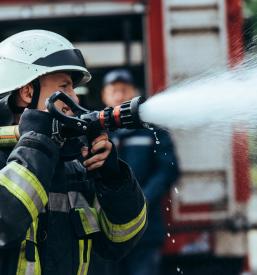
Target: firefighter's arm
165, 170
122, 215
25, 179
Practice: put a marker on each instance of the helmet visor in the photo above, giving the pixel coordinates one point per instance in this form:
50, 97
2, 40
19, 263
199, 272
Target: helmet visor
72, 57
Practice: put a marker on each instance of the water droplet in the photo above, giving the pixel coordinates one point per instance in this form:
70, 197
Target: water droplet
165, 154
172, 163
156, 138
169, 200
169, 224
176, 190
167, 209
178, 269
168, 235
173, 241
154, 151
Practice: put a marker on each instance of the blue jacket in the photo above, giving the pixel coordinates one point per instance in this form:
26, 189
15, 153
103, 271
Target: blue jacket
156, 168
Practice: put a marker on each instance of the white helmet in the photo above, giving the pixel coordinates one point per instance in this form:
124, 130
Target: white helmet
27, 55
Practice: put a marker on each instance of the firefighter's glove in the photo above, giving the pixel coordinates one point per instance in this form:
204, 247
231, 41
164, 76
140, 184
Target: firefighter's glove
38, 122
104, 160
111, 168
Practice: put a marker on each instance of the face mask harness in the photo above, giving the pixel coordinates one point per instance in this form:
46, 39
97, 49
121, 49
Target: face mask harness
36, 93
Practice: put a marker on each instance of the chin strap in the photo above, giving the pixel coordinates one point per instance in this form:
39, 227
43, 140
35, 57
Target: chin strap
12, 104
36, 93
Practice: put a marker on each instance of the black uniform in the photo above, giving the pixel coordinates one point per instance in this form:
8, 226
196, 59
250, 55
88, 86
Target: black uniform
52, 214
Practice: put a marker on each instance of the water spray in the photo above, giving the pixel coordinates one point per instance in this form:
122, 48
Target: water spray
217, 102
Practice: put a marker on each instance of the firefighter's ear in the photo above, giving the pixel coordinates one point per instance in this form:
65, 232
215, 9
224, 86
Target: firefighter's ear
25, 94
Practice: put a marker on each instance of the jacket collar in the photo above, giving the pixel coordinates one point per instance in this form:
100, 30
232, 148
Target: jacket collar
6, 114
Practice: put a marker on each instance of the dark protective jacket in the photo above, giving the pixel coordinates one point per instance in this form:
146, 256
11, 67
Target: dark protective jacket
52, 215
156, 168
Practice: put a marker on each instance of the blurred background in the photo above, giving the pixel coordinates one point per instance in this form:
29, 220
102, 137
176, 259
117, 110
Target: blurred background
211, 214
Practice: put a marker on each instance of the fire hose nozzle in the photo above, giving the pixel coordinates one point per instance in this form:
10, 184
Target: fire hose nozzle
86, 122
125, 115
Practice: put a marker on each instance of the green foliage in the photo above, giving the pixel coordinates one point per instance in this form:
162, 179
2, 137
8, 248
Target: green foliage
250, 8
250, 24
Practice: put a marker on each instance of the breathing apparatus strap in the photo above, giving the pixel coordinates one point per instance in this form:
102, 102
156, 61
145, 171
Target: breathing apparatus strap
12, 104
36, 93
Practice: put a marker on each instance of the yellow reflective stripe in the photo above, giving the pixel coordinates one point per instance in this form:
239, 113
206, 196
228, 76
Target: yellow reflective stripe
83, 266
123, 232
89, 248
13, 188
22, 263
88, 215
81, 250
32, 231
33, 234
28, 268
37, 264
25, 267
30, 178
25, 186
89, 219
28, 234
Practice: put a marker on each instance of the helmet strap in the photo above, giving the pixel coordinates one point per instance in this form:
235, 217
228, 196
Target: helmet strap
36, 92
12, 104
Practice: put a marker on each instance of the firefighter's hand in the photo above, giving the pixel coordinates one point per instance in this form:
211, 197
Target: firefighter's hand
101, 149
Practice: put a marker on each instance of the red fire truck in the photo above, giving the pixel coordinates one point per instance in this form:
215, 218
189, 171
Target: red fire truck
163, 42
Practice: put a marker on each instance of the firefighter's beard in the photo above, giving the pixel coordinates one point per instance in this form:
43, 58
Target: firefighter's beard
215, 102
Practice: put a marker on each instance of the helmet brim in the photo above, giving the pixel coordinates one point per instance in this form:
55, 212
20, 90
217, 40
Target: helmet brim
14, 75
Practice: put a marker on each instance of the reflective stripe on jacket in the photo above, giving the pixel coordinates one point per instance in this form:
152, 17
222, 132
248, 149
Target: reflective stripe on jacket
156, 169
52, 215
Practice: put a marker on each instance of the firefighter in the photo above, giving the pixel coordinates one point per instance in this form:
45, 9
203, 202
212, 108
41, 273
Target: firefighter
52, 214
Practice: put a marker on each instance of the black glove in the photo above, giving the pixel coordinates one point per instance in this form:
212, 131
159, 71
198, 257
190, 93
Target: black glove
40, 122
37, 121
111, 168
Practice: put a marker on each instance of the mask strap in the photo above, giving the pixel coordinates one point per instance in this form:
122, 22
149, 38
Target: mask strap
12, 104
36, 93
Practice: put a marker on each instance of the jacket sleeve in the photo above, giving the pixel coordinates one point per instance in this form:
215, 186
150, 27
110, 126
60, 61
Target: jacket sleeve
166, 169
24, 182
122, 216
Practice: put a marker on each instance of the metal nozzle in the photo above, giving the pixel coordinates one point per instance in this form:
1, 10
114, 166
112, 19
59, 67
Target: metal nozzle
125, 115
